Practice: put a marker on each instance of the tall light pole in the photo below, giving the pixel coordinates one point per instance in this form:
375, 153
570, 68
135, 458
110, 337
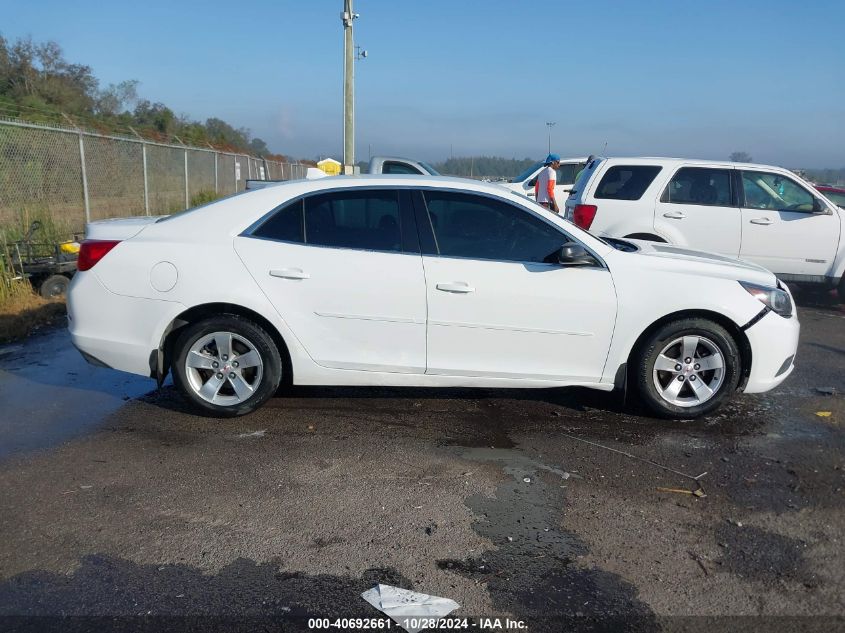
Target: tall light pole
347, 17
550, 125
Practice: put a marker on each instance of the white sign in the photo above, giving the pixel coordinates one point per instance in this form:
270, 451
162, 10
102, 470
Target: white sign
237, 170
261, 172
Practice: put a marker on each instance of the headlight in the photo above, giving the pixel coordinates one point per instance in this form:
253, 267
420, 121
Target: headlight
775, 299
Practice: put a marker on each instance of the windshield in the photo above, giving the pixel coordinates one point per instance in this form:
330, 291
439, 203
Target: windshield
431, 170
528, 172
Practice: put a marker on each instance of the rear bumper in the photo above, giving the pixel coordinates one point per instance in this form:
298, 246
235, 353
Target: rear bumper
114, 330
774, 342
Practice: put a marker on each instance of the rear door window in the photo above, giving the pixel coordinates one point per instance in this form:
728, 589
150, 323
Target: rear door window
366, 220
700, 186
626, 182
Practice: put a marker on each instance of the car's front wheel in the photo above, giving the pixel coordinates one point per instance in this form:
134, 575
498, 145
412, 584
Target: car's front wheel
226, 366
687, 368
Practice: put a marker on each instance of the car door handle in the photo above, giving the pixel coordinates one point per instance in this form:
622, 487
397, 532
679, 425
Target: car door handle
290, 273
460, 287
675, 215
763, 221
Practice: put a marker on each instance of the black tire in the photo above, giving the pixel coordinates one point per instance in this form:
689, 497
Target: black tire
263, 344
54, 286
840, 290
650, 349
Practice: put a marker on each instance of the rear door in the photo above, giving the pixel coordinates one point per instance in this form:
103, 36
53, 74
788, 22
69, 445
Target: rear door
699, 208
343, 269
780, 230
496, 308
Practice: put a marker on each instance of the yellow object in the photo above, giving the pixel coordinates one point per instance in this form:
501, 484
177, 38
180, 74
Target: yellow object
69, 247
823, 414
330, 166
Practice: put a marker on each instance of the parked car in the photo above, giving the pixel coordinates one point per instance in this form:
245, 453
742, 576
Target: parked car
423, 281
834, 194
566, 175
405, 166
763, 214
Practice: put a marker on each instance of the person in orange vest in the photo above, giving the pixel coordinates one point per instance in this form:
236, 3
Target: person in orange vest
544, 186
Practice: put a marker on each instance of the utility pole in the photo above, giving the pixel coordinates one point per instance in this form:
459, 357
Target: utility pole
550, 125
347, 18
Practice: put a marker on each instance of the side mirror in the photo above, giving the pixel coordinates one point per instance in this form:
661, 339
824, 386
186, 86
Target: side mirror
819, 206
571, 254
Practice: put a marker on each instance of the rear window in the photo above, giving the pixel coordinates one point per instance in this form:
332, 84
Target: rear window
626, 182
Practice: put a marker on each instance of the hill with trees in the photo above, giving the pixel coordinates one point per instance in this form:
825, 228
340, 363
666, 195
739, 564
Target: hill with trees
38, 84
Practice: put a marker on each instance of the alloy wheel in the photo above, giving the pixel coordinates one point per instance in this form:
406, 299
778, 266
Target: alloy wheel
224, 368
689, 371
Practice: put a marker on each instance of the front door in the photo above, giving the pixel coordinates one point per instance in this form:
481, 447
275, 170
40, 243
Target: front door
496, 309
780, 231
699, 209
343, 269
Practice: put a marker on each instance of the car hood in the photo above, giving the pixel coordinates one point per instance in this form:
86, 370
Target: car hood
705, 263
119, 228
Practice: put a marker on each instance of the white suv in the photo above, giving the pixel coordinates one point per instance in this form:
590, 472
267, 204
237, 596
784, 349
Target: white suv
767, 215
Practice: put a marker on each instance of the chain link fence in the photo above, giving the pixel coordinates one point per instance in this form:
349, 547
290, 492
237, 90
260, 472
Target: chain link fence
65, 177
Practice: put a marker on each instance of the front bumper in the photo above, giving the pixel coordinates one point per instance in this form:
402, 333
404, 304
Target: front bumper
115, 330
774, 343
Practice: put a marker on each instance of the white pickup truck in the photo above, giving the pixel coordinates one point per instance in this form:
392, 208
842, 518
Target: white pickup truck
378, 165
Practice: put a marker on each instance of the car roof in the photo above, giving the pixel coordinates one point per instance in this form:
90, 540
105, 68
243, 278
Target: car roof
664, 160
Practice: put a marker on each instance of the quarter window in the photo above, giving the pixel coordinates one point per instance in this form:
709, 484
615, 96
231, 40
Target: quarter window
775, 192
285, 224
368, 220
626, 182
482, 228
700, 186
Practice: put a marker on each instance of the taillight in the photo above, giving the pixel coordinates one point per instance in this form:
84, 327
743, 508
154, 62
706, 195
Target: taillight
92, 251
584, 214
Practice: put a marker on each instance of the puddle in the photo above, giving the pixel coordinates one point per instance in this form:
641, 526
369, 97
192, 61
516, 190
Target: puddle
533, 570
49, 393
750, 552
261, 595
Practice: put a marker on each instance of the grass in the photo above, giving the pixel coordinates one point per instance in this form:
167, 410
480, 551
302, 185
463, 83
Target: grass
22, 310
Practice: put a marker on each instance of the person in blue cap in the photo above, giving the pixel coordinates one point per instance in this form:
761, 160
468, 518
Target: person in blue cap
544, 187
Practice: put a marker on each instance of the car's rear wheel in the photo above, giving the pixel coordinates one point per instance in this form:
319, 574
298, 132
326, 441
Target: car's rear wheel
226, 366
687, 368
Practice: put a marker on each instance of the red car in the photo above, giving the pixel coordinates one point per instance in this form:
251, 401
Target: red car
834, 194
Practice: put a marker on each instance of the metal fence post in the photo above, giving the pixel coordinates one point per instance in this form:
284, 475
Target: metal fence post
235, 170
84, 180
216, 188
146, 185
187, 198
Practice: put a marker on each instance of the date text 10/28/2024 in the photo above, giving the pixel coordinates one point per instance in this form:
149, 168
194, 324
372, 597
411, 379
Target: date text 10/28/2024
489, 624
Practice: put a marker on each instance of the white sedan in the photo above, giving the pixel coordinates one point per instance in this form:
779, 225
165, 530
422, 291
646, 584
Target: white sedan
419, 281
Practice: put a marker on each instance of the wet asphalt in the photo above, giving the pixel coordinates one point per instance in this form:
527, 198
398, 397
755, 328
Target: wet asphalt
567, 509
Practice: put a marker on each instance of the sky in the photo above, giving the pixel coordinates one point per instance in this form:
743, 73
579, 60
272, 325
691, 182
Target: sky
474, 77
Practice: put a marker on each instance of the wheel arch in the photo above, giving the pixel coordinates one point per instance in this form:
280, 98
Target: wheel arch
161, 364
651, 237
733, 329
